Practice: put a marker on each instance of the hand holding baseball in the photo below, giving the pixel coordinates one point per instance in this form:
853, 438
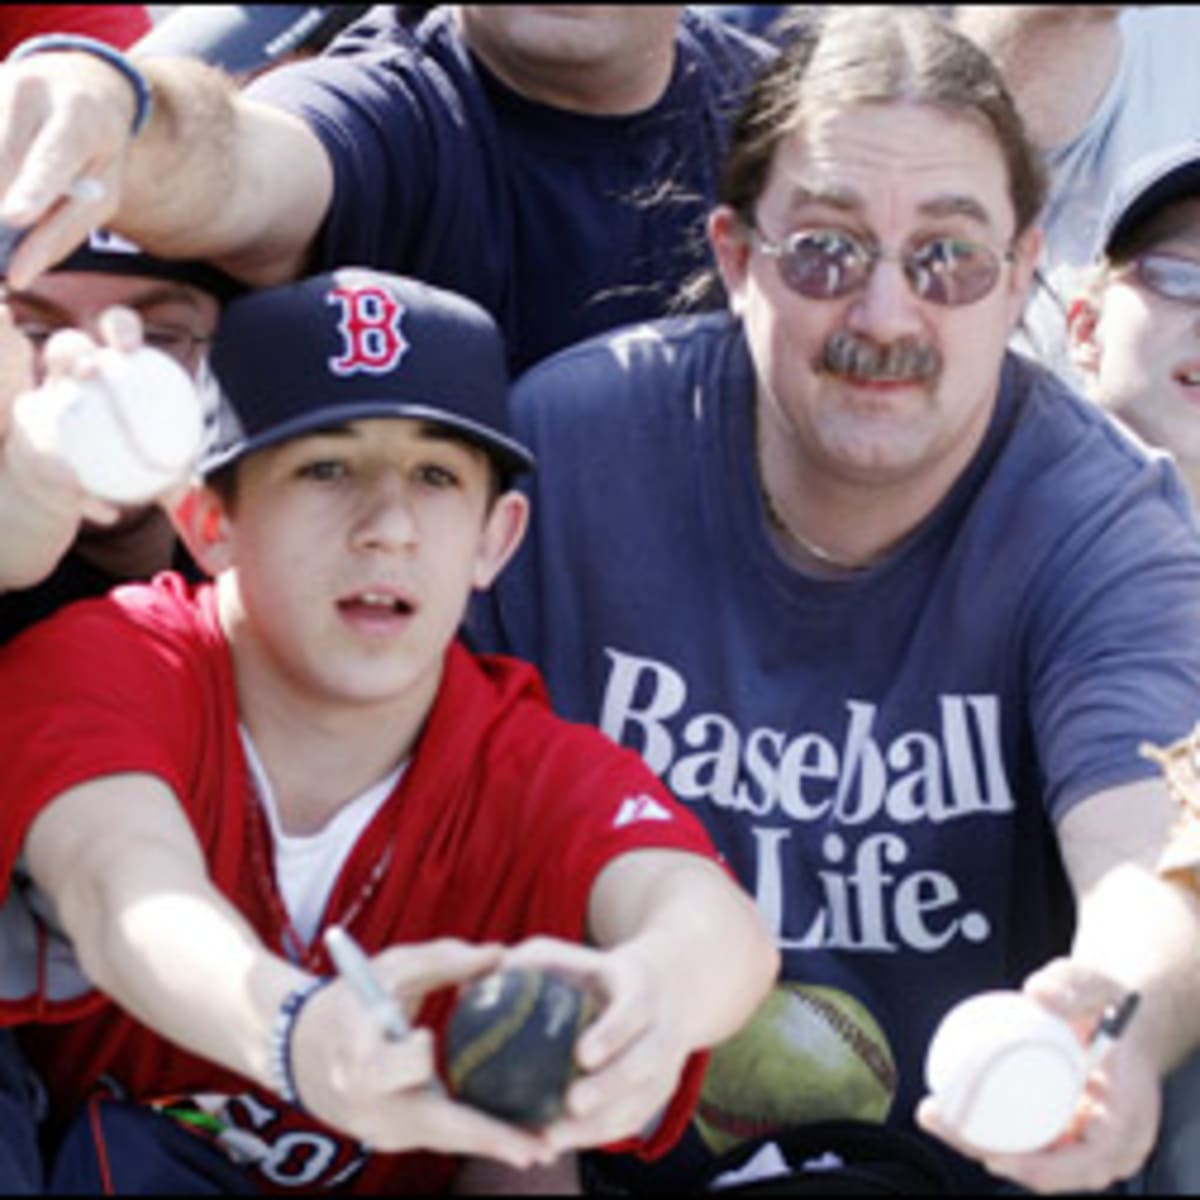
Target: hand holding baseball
124, 419
631, 1054
41, 499
1099, 1116
384, 1092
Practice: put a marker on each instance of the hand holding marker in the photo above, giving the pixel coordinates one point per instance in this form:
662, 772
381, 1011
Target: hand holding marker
355, 968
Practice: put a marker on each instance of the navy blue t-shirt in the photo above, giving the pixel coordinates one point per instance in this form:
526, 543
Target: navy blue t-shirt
882, 757
560, 224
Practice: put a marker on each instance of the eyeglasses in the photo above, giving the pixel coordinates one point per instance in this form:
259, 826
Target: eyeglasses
1168, 276
825, 264
181, 344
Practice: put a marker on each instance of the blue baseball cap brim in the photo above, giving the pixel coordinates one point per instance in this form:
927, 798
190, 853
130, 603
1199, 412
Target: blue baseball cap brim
240, 38
1148, 185
356, 344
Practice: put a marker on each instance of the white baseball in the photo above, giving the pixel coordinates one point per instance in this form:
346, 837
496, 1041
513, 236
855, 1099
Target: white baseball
130, 431
1007, 1073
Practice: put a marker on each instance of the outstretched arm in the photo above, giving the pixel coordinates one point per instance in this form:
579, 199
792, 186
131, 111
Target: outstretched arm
41, 500
1135, 931
682, 959
1057, 60
121, 865
213, 175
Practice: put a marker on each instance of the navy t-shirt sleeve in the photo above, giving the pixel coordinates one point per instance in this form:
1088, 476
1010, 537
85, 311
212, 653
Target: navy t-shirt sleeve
396, 138
1114, 645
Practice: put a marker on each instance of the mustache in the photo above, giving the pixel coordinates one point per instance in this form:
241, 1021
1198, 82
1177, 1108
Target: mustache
907, 360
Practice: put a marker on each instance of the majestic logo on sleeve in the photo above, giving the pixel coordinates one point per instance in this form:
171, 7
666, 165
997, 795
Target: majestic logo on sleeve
370, 327
640, 808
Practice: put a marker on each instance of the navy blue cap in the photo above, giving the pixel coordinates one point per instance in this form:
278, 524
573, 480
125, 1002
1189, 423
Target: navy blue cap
1147, 185
240, 38
107, 253
353, 344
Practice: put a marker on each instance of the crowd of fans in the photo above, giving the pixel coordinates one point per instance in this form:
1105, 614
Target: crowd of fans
698, 498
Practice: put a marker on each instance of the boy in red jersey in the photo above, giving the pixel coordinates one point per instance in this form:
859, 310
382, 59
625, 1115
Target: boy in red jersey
202, 779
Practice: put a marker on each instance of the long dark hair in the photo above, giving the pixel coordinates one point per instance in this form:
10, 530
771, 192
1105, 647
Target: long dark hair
839, 56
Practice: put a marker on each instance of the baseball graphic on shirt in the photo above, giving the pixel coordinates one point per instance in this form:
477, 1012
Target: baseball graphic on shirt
129, 432
810, 1053
1006, 1072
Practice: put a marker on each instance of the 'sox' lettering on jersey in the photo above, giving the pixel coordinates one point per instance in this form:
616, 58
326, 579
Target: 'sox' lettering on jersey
640, 808
370, 329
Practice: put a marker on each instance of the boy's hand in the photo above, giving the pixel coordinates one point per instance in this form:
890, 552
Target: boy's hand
630, 1056
387, 1093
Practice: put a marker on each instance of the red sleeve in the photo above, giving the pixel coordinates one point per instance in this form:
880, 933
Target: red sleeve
97, 697
118, 24
596, 801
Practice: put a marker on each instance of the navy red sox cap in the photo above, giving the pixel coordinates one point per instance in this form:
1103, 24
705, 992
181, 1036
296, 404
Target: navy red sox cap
353, 344
1147, 185
241, 38
107, 253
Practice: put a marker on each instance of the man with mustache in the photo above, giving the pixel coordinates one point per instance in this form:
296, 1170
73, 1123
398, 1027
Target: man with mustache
890, 606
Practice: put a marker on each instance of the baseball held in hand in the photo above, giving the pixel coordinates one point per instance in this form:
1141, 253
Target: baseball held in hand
130, 431
510, 1044
1006, 1072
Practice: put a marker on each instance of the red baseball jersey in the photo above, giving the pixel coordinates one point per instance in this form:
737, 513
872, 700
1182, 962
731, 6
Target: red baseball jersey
119, 24
496, 832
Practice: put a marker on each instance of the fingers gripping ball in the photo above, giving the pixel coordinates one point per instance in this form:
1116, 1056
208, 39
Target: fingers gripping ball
130, 431
510, 1044
1007, 1073
810, 1053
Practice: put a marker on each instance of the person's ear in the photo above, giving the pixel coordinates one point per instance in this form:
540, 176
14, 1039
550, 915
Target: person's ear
203, 525
1026, 251
1083, 321
731, 248
501, 536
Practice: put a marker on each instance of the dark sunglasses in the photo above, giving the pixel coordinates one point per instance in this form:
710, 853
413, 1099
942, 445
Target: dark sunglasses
1167, 276
824, 264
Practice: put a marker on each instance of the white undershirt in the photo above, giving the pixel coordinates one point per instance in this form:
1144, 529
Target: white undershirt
307, 865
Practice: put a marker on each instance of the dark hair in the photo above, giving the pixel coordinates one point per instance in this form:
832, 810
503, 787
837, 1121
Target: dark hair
842, 55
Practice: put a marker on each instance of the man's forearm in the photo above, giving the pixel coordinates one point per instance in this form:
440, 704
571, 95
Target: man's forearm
1145, 933
181, 169
37, 532
211, 177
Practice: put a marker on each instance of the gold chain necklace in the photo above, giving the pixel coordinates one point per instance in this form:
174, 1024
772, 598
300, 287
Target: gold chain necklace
823, 556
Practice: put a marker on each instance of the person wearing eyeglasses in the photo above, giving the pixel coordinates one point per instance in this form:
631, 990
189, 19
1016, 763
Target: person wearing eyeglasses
554, 163
891, 609
1135, 320
1098, 86
61, 544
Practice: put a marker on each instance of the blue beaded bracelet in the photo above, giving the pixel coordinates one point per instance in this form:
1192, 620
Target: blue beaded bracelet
110, 54
282, 1075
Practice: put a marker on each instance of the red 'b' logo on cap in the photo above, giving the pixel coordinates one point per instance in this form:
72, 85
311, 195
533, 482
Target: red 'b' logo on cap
370, 329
